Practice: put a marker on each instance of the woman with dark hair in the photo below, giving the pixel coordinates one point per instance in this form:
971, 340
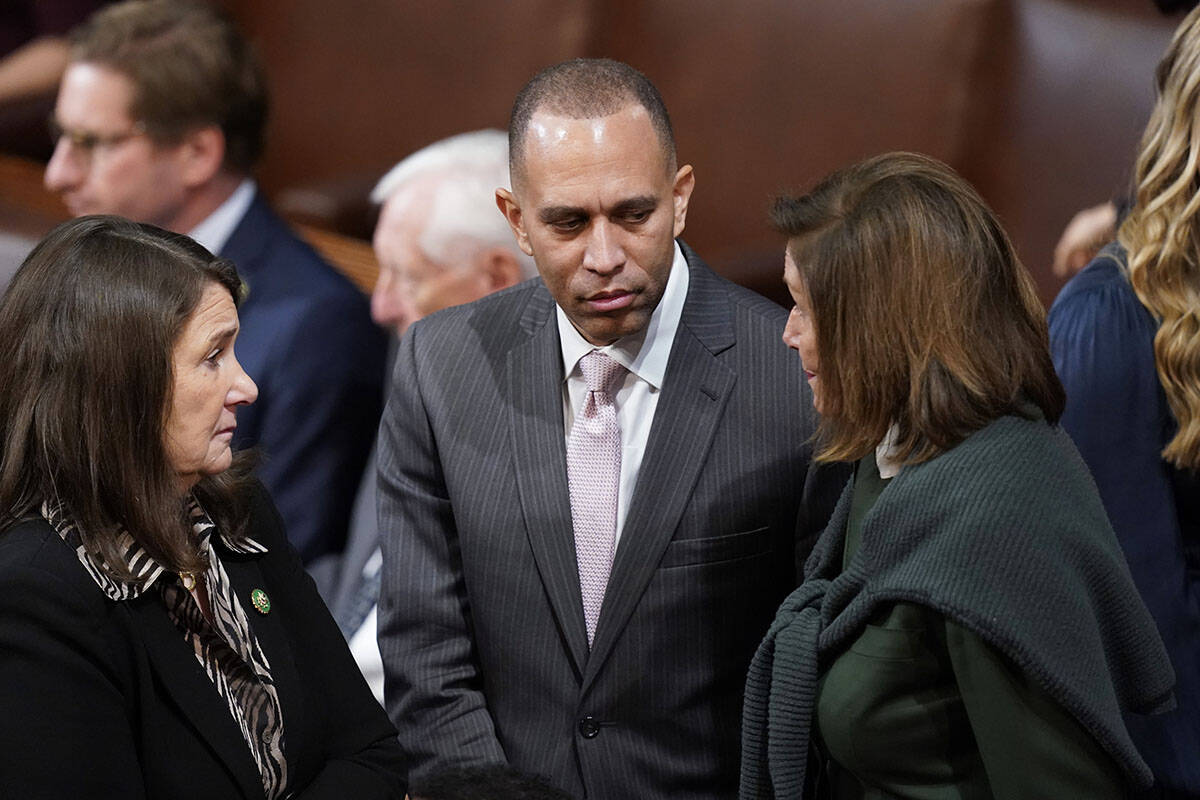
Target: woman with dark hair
967, 626
158, 636
1125, 335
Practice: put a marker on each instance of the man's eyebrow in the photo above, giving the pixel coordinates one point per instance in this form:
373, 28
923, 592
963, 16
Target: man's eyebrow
556, 213
645, 202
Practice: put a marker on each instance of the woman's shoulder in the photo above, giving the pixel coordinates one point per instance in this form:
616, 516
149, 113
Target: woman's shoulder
263, 523
1012, 447
263, 535
1104, 272
1099, 297
33, 543
36, 564
1015, 474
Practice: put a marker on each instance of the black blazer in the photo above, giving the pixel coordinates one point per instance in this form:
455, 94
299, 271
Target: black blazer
481, 621
104, 699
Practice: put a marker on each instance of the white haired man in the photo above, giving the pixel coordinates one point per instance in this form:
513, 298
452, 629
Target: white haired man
440, 241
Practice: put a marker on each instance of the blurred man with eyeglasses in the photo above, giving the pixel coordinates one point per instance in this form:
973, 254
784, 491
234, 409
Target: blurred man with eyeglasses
160, 118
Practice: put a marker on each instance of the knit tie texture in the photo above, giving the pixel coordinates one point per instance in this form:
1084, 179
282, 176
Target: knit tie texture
593, 476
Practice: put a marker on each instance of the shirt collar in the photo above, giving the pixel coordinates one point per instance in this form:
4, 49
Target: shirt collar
885, 455
144, 568
214, 230
645, 354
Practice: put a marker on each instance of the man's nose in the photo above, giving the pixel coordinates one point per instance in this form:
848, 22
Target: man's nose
65, 170
604, 253
387, 306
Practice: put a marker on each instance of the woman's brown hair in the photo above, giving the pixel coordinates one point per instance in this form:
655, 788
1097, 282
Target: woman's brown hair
87, 332
925, 318
1162, 236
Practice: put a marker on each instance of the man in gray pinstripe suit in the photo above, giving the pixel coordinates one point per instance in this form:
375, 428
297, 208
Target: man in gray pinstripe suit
482, 631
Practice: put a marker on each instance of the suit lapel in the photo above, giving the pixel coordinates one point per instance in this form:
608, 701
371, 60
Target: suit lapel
540, 459
695, 390
246, 576
186, 682
251, 238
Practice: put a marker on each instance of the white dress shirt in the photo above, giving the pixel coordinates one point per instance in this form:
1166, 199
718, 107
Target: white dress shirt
214, 231
645, 356
885, 455
364, 645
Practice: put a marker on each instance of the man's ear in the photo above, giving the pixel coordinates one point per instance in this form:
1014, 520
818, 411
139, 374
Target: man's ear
685, 181
506, 201
499, 267
201, 155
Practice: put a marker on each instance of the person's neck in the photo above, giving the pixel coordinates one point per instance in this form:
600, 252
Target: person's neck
204, 200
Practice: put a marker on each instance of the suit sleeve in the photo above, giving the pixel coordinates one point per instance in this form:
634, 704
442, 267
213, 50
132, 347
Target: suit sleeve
823, 486
64, 730
361, 758
432, 685
321, 421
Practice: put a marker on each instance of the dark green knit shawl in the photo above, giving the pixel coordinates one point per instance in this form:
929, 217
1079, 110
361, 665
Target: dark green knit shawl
1005, 534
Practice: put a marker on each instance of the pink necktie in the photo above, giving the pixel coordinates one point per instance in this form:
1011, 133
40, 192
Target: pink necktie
593, 474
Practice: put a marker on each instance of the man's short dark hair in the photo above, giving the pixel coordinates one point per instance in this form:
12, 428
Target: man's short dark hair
495, 782
190, 67
586, 88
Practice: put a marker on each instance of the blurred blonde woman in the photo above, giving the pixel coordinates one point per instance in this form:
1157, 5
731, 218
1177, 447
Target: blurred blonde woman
1125, 336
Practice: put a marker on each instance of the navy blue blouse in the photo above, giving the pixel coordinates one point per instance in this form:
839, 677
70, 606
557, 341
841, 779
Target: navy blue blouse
1102, 341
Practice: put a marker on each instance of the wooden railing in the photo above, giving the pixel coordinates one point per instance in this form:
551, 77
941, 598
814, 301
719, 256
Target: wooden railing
354, 258
26, 207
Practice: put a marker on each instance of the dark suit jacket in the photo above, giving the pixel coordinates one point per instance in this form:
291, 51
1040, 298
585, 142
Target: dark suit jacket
308, 342
481, 625
362, 541
104, 699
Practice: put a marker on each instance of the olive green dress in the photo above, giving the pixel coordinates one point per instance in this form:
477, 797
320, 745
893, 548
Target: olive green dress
921, 707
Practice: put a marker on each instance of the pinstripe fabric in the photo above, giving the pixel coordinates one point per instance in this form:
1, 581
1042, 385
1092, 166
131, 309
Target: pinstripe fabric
481, 620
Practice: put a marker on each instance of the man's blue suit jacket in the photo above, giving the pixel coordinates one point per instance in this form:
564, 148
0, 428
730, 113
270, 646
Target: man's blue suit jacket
307, 340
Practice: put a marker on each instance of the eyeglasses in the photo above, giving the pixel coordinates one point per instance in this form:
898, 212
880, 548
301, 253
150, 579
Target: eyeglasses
87, 143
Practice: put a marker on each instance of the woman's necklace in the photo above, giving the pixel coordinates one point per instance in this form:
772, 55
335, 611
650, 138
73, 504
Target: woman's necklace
199, 593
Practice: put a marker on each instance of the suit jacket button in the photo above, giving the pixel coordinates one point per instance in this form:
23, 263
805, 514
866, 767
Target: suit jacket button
589, 728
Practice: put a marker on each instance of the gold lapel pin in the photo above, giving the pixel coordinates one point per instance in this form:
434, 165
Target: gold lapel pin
260, 601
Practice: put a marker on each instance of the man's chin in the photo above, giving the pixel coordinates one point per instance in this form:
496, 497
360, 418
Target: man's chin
602, 329
78, 208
